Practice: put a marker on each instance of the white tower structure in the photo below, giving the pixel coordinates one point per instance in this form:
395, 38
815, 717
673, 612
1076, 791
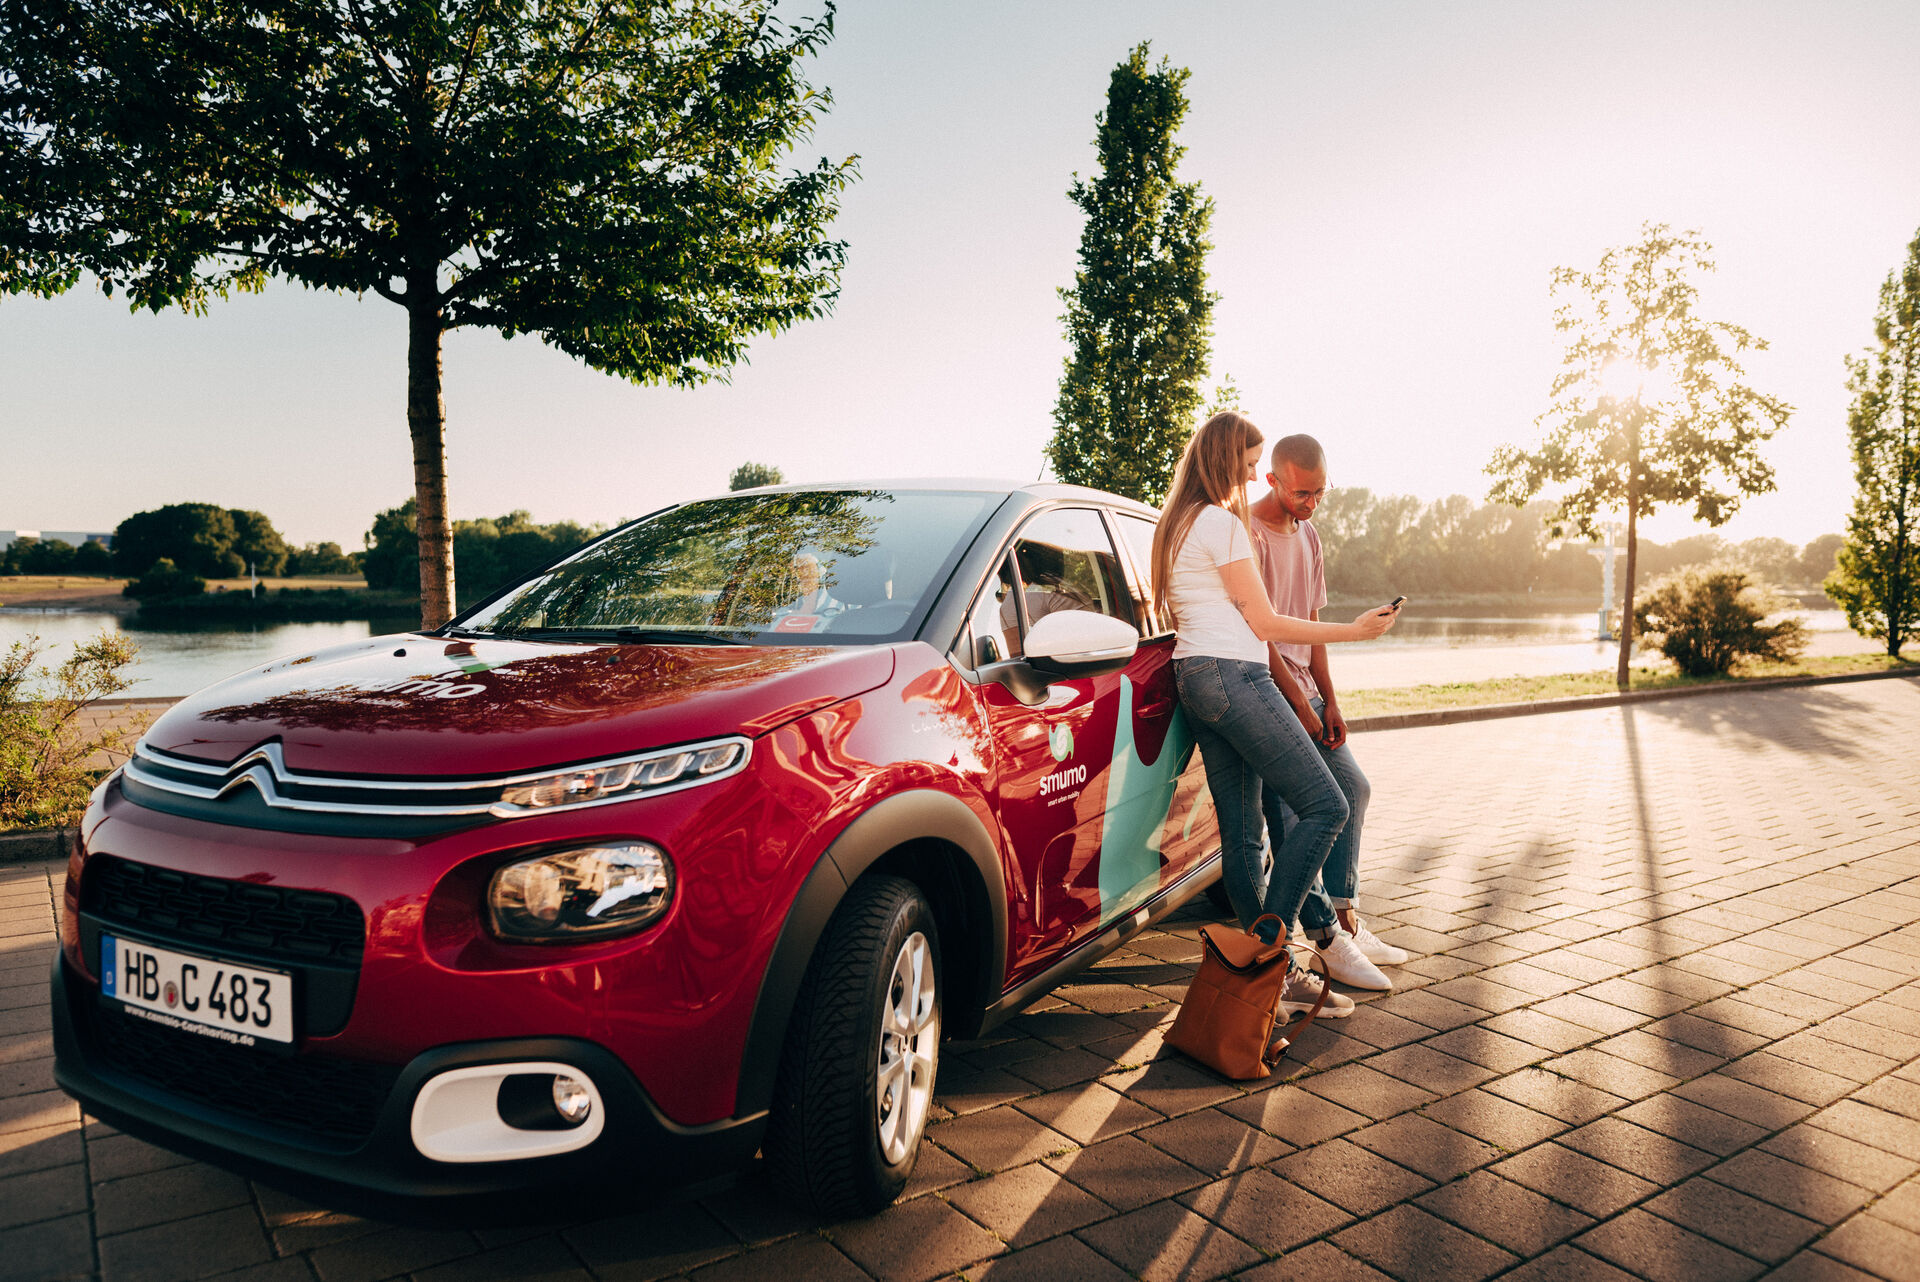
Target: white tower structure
1608, 552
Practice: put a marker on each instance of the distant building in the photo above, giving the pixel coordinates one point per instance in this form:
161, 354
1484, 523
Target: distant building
73, 538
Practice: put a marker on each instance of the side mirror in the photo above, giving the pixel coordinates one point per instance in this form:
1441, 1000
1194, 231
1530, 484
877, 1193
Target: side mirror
1080, 643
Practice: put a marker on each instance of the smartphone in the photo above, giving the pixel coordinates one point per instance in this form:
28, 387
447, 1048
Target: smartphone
1395, 603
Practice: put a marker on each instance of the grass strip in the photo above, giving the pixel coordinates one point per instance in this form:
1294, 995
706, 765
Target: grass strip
1573, 685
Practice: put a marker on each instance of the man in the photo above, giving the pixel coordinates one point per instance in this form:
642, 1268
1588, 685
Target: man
1288, 548
814, 606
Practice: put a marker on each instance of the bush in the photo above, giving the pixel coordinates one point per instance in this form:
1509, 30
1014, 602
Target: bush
164, 580
1708, 618
46, 749
319, 558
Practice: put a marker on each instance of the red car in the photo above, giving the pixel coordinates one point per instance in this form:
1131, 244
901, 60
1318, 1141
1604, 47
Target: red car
692, 845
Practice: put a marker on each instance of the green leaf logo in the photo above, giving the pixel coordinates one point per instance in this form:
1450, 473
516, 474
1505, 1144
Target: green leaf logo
1060, 739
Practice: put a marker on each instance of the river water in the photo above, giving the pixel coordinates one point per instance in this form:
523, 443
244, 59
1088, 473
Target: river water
1421, 648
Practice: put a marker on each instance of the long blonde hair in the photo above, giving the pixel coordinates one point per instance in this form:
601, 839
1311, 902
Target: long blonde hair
1212, 470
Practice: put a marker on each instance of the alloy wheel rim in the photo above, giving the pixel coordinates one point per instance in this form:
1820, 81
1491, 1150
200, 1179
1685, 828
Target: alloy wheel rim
909, 1050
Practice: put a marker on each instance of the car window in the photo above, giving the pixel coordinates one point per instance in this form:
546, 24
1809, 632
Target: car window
1067, 562
1137, 533
993, 626
795, 567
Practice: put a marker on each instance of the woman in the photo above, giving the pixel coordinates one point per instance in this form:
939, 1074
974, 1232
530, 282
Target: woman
1205, 577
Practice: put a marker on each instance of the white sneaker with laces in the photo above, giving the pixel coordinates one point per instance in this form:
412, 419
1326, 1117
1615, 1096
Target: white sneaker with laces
1303, 990
1377, 950
1349, 966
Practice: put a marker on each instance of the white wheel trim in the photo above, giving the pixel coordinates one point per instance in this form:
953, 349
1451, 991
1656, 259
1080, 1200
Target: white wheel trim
909, 1050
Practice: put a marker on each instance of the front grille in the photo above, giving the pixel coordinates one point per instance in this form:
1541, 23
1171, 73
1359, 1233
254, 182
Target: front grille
266, 921
335, 1102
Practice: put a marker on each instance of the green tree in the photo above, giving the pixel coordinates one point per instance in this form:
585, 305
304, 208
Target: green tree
1774, 562
257, 543
319, 558
752, 475
92, 557
602, 173
46, 556
1818, 558
1613, 438
1877, 577
491, 551
392, 559
196, 537
1139, 317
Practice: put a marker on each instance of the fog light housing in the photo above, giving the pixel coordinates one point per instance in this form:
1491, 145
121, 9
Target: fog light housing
581, 893
542, 1102
506, 1112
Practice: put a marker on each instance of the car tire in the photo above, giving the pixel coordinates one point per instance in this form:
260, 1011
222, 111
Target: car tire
856, 1078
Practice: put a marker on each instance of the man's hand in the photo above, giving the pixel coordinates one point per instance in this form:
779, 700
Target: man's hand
1334, 724
1304, 711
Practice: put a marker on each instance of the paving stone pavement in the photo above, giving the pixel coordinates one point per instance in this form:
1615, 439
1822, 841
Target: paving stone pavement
1664, 1023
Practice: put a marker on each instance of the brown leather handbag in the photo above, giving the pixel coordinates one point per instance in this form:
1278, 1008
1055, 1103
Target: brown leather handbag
1227, 1019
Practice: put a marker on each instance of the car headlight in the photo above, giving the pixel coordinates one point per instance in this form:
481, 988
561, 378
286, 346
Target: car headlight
652, 772
581, 893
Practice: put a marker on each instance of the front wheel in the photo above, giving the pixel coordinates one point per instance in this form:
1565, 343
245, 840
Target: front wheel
857, 1071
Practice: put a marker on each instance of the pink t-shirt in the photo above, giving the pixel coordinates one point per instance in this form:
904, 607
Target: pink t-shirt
1296, 579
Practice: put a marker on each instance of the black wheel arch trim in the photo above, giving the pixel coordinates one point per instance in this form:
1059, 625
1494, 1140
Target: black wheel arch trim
896, 823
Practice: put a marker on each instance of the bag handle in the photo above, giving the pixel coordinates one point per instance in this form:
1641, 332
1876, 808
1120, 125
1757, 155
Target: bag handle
1255, 968
1279, 1046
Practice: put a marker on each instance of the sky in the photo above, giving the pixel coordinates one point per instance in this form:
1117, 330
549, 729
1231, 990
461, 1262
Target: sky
1393, 184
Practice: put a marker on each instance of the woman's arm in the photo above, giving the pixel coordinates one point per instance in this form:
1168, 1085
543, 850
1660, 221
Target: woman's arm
1249, 596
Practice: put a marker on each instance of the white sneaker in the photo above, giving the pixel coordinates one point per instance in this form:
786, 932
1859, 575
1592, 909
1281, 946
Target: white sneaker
1303, 990
1377, 950
1349, 966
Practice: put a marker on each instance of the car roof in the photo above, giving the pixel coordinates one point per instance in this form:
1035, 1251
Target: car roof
1041, 491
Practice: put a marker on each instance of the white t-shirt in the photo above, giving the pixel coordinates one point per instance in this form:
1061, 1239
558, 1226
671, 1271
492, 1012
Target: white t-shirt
1203, 614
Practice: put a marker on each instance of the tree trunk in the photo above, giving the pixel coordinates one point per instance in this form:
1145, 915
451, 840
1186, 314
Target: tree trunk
1633, 557
427, 424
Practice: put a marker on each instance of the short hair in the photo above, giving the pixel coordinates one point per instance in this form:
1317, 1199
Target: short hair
1300, 450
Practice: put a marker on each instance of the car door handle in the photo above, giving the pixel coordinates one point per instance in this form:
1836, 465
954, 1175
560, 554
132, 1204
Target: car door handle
1154, 708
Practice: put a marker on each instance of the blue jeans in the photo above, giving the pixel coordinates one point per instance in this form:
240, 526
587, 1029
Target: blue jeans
1339, 879
1250, 738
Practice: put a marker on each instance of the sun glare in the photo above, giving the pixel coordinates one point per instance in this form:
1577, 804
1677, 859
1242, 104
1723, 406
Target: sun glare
1623, 379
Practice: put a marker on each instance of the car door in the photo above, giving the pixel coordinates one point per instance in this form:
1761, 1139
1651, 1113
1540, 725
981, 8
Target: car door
1161, 803
1052, 755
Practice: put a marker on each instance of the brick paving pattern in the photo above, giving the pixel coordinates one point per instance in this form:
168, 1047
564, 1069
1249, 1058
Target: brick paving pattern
1664, 1023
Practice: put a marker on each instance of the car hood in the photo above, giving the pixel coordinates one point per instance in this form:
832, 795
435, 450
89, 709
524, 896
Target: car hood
427, 706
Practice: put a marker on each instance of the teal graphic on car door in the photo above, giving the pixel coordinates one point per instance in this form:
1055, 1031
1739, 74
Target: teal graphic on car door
1154, 802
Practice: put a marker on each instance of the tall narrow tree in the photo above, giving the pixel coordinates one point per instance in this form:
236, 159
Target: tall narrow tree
1649, 408
1139, 316
1877, 578
602, 173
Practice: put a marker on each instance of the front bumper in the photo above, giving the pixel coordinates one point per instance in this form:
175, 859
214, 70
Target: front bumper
385, 1173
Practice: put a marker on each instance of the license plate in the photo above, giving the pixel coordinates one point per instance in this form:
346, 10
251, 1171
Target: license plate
237, 1004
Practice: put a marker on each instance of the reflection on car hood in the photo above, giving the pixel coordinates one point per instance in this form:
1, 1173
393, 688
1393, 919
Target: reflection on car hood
426, 706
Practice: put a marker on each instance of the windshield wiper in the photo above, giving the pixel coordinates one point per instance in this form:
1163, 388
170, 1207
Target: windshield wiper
629, 636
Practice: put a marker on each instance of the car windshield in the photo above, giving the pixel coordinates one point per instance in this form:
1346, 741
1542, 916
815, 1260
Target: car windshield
809, 567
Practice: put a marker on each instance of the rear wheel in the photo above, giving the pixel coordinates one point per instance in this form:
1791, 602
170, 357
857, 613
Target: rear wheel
857, 1072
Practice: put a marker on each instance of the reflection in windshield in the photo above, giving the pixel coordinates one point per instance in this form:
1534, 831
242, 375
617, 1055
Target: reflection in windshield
849, 563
